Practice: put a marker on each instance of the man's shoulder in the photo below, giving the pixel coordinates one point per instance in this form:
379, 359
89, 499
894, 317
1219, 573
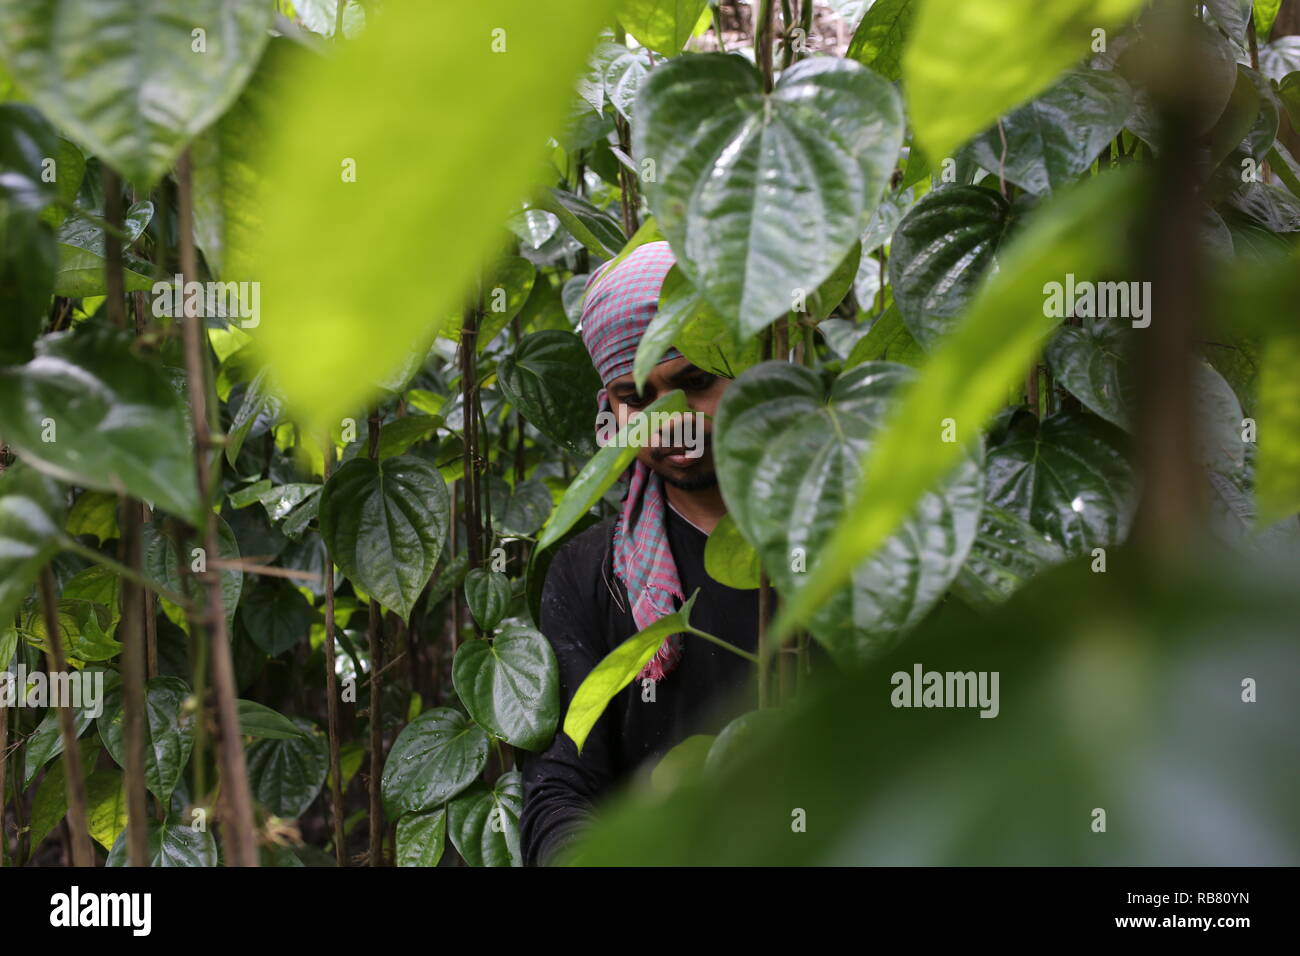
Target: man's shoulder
586, 551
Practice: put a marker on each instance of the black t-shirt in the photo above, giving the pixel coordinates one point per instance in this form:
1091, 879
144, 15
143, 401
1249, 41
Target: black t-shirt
585, 614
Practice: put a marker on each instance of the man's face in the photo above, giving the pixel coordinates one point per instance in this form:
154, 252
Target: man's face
703, 390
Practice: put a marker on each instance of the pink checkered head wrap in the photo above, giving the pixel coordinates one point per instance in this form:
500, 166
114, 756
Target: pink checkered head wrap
619, 305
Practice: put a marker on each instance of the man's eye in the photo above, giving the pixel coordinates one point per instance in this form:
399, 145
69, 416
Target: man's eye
698, 383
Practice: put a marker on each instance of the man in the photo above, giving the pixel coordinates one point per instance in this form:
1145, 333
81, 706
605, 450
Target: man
628, 571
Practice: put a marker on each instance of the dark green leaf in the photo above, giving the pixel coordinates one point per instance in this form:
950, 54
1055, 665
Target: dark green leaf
421, 838
171, 843
488, 594
276, 615
511, 685
550, 379
286, 774
1007, 552
484, 823
168, 733
31, 511
435, 757
258, 720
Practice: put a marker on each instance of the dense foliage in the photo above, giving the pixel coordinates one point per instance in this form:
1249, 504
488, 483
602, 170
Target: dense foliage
1002, 285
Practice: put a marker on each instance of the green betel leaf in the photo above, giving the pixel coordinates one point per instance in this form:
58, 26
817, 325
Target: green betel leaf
762, 196
258, 720
176, 71
1007, 552
168, 733
1089, 360
968, 61
511, 685
941, 252
1070, 480
662, 25
385, 525
550, 379
31, 512
596, 229
521, 510
618, 669
106, 806
47, 741
421, 838
729, 558
339, 171
788, 458
28, 254
968, 376
888, 341
90, 411
488, 594
483, 822
276, 615
881, 37
287, 773
81, 254
605, 467
435, 757
162, 563
1051, 140
172, 842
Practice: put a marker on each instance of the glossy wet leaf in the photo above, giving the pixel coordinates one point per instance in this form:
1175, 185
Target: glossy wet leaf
969, 61
31, 512
788, 452
286, 774
616, 670
385, 525
1055, 137
762, 195
1007, 553
595, 228
162, 85
941, 251
118, 424
549, 378
435, 757
483, 822
168, 735
421, 838
173, 842
511, 685
969, 375
604, 468
1070, 480
1090, 361
488, 594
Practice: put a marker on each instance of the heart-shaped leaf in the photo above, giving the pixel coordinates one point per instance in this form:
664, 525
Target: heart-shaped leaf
276, 615
1055, 137
521, 510
171, 843
511, 685
168, 735
161, 562
484, 822
596, 229
287, 773
763, 195
171, 74
421, 838
550, 379
488, 594
1070, 480
89, 410
31, 515
435, 757
1007, 552
1089, 360
385, 525
941, 250
789, 459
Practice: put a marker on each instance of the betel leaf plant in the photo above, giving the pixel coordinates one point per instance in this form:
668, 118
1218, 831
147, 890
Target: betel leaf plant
308, 496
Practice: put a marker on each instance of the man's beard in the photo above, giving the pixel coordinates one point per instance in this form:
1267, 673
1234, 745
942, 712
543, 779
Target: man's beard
692, 482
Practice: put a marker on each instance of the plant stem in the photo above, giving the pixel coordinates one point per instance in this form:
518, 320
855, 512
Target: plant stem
240, 830
4, 764
332, 689
133, 668
75, 781
764, 651
763, 43
725, 645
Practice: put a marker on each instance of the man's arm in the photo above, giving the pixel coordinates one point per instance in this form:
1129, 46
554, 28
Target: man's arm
561, 785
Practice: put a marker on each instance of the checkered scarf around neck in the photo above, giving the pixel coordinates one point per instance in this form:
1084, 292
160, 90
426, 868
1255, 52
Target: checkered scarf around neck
619, 304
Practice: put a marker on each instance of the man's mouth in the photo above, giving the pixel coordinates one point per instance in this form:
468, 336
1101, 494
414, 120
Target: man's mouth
679, 457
